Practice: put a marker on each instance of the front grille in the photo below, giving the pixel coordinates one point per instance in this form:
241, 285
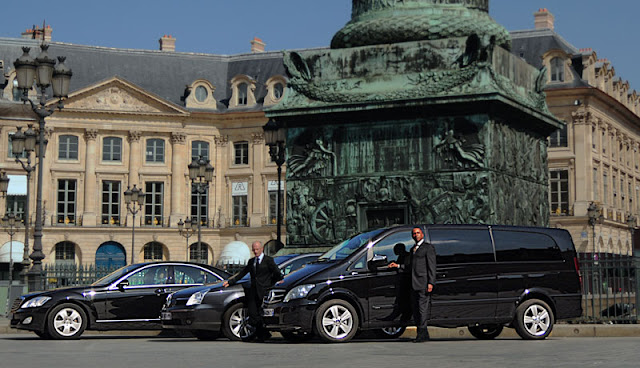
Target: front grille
16, 304
274, 296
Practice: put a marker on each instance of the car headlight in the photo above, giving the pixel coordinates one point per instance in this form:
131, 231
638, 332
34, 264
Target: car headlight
196, 298
38, 301
298, 292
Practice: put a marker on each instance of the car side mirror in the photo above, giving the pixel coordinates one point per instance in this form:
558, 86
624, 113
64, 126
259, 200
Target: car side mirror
377, 262
122, 284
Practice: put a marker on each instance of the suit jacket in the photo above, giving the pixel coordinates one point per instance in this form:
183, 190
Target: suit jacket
423, 266
262, 278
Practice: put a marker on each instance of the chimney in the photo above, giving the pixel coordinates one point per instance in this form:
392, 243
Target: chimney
543, 19
167, 43
257, 45
35, 33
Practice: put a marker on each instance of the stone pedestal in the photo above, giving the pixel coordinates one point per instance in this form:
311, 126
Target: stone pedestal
450, 128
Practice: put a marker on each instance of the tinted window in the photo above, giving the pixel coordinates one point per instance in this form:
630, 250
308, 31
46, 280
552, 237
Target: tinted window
462, 246
514, 246
297, 264
149, 276
385, 247
191, 275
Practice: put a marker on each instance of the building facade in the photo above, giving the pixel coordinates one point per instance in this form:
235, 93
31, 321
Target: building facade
595, 160
139, 118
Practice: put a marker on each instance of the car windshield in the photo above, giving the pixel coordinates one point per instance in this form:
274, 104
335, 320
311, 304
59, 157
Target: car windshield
113, 276
344, 249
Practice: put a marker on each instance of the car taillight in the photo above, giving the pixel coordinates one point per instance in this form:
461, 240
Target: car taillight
577, 266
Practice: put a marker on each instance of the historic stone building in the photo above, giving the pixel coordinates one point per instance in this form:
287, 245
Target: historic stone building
138, 118
595, 159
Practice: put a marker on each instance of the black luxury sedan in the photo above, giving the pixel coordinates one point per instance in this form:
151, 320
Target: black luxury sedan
208, 310
129, 298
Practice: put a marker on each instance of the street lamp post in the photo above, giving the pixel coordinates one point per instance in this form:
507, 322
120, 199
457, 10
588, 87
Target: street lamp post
45, 72
201, 174
595, 216
24, 144
134, 198
274, 136
187, 229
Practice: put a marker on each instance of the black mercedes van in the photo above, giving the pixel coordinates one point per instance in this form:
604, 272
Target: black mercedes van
488, 277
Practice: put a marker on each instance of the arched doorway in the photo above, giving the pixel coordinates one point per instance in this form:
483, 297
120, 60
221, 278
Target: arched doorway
199, 254
110, 255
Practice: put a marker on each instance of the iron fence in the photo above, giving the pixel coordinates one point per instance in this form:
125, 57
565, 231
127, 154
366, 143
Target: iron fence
60, 274
609, 288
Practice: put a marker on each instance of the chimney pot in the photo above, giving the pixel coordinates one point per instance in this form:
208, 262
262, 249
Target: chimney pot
544, 19
257, 45
167, 43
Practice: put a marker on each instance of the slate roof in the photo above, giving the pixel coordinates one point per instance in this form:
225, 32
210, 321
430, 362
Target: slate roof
163, 73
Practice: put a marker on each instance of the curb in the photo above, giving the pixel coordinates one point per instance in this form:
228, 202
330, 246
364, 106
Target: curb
559, 330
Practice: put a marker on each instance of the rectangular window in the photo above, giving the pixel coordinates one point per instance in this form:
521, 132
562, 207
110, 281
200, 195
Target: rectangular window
65, 251
595, 185
273, 210
559, 137
201, 200
241, 153
594, 137
622, 195
559, 188
68, 148
112, 149
111, 202
153, 203
66, 210
604, 142
630, 193
240, 192
615, 190
199, 149
155, 150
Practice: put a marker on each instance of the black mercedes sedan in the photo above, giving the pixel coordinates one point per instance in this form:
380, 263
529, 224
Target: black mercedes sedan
207, 311
129, 298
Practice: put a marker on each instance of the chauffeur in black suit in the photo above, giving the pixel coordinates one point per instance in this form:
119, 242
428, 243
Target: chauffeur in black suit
264, 274
423, 279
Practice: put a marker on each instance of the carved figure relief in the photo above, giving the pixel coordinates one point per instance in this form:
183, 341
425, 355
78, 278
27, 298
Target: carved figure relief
317, 160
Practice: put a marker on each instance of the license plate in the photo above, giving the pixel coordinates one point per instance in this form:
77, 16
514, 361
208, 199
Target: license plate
166, 316
268, 312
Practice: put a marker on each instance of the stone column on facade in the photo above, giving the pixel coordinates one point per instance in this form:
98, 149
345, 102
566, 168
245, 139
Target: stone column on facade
49, 196
178, 166
257, 194
583, 164
89, 216
221, 186
135, 156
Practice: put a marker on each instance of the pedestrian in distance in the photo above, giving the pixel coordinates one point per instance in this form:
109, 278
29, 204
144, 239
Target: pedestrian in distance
423, 278
264, 274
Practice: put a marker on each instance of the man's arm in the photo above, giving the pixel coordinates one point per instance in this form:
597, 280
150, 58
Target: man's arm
233, 279
276, 275
431, 267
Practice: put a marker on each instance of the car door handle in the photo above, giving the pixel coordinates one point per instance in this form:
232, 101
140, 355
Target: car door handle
160, 291
353, 273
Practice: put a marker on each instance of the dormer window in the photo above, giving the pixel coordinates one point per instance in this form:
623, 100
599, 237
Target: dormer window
242, 91
275, 90
201, 95
557, 70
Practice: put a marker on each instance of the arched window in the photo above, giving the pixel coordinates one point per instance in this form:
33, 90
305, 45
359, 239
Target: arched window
242, 94
199, 254
68, 147
153, 251
65, 252
112, 149
557, 70
110, 255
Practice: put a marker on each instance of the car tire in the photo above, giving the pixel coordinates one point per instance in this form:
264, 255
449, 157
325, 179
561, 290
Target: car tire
235, 324
206, 335
336, 321
390, 332
66, 322
296, 336
534, 320
485, 332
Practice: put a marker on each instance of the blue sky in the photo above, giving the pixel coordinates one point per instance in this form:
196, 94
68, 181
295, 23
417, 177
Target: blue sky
226, 27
